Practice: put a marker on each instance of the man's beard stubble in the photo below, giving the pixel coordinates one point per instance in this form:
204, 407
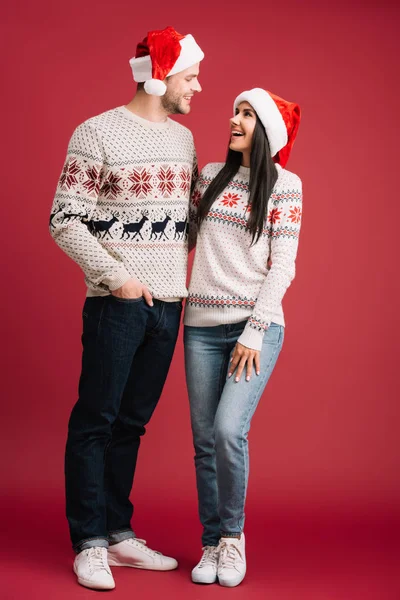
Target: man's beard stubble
171, 103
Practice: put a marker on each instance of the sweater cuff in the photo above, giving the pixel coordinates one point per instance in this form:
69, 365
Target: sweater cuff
252, 338
117, 279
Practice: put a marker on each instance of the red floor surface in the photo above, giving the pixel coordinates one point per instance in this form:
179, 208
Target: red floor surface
320, 556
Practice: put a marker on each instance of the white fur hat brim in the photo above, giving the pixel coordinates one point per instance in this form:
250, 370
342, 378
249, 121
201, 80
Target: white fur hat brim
269, 115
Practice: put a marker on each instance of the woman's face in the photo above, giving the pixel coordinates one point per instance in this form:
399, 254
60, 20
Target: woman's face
242, 128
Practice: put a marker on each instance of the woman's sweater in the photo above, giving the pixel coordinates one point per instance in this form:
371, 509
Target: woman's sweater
231, 280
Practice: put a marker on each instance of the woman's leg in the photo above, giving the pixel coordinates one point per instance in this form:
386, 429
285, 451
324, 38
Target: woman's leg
206, 363
232, 423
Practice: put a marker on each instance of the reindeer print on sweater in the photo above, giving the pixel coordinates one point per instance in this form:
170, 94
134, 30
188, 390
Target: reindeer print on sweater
122, 200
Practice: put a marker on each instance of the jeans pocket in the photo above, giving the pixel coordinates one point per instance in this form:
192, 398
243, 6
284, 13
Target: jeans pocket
127, 300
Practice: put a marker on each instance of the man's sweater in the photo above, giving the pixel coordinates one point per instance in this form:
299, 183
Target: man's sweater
121, 205
231, 280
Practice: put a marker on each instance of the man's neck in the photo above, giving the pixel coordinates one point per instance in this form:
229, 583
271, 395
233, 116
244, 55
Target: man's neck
147, 107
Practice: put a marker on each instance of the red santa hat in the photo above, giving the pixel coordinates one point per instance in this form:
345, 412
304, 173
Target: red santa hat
280, 118
161, 54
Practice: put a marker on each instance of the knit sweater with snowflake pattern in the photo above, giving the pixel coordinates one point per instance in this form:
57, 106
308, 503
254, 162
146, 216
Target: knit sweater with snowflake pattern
231, 280
122, 201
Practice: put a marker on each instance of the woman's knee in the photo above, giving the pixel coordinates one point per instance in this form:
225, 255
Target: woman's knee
228, 434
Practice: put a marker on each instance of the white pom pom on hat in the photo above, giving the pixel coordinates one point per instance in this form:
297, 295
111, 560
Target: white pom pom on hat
155, 87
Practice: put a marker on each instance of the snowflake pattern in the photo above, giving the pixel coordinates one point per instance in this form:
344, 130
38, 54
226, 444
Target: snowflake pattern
141, 182
196, 198
69, 174
92, 182
230, 199
167, 180
274, 216
295, 214
111, 187
185, 180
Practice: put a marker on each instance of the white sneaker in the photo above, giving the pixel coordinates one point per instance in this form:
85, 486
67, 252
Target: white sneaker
92, 570
134, 553
206, 570
232, 561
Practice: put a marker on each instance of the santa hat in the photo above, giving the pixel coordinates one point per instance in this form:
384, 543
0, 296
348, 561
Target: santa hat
161, 54
280, 118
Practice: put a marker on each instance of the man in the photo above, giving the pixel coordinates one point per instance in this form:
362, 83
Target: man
121, 213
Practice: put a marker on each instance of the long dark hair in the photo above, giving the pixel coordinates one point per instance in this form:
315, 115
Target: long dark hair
263, 176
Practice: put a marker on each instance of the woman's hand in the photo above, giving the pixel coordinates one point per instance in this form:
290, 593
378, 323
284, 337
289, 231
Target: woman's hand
241, 357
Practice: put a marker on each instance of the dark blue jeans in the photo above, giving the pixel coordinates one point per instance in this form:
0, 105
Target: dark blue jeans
127, 351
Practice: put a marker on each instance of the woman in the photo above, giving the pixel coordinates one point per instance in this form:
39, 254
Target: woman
246, 214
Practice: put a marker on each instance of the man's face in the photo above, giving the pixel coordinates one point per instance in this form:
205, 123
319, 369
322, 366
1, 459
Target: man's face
180, 91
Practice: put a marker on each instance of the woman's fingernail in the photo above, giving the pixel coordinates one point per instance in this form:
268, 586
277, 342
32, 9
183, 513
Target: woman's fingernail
237, 379
229, 374
247, 378
258, 372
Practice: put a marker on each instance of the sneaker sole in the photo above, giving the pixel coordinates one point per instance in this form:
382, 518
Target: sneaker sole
93, 586
200, 581
232, 583
114, 563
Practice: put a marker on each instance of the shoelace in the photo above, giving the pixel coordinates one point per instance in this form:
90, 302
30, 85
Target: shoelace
209, 557
228, 555
141, 544
97, 559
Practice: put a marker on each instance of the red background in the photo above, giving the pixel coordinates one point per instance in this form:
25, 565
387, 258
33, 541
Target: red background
324, 494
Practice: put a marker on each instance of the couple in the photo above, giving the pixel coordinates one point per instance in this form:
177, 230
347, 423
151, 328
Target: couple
128, 193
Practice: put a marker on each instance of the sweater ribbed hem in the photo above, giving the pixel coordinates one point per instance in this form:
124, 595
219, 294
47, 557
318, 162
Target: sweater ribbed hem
212, 317
117, 279
252, 338
94, 293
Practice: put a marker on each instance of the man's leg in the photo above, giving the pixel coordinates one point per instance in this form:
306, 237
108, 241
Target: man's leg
113, 329
142, 392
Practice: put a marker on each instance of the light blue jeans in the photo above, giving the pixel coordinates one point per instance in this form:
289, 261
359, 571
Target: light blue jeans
221, 411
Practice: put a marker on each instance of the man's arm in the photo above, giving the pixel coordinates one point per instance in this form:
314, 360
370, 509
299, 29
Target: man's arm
73, 206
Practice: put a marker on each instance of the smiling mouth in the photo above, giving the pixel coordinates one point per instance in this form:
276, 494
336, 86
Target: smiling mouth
236, 134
